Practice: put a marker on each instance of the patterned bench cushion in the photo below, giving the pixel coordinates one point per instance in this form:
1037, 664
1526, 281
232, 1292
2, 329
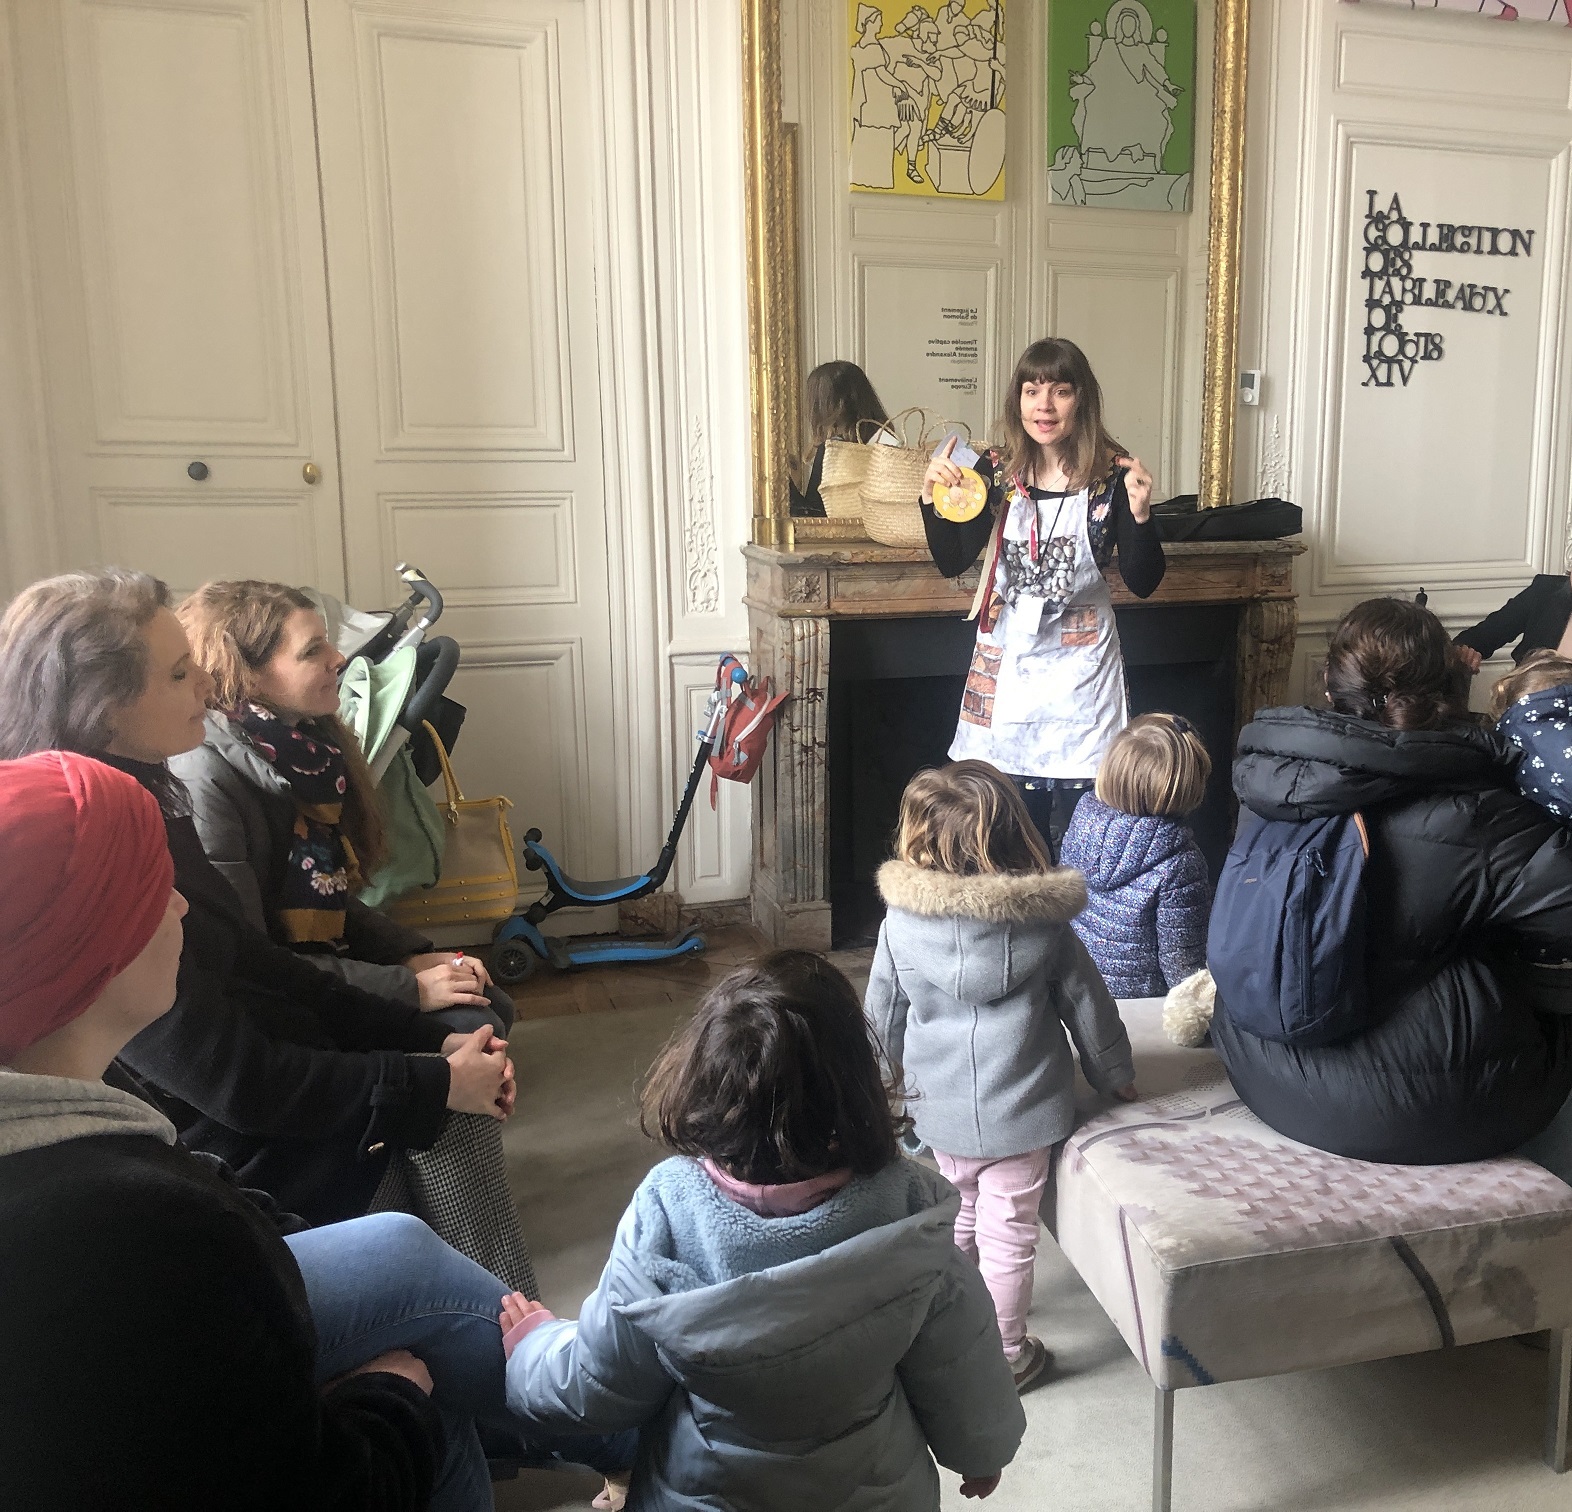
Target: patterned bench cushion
1223, 1251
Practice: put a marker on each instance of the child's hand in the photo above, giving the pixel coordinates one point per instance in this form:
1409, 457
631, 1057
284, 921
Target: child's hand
980, 1486
517, 1309
1126, 1094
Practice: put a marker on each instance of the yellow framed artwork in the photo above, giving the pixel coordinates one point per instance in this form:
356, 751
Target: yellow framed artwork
928, 99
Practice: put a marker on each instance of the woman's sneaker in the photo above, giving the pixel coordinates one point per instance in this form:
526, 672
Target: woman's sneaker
1035, 1357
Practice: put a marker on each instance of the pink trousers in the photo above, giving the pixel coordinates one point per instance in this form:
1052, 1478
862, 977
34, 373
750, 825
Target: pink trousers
997, 1228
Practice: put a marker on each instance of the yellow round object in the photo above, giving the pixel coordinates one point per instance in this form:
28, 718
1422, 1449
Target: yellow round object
962, 501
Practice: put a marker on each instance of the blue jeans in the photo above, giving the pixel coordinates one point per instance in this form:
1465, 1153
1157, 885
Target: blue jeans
387, 1282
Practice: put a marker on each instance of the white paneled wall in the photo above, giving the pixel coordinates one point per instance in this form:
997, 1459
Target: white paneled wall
537, 382
1129, 287
1458, 481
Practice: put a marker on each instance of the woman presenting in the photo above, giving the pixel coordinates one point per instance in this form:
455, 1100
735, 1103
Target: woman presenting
1045, 696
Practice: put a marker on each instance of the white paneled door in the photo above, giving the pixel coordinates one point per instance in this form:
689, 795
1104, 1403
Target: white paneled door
177, 248
457, 175
275, 239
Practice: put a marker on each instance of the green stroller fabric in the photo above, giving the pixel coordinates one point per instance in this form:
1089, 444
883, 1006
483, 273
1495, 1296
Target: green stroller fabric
371, 697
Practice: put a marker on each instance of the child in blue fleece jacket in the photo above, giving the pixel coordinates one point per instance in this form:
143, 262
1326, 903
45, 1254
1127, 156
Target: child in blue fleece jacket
785, 1316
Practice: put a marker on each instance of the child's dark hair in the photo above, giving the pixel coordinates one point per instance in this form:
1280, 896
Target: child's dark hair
776, 1077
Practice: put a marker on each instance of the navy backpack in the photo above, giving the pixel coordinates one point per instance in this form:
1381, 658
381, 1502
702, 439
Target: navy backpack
1286, 944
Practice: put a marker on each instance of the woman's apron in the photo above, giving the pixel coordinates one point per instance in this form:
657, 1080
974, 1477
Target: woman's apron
1045, 696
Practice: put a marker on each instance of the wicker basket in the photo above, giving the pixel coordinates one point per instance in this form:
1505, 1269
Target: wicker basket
890, 512
840, 479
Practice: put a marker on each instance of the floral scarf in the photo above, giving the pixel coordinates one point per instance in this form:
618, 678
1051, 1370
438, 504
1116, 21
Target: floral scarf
321, 869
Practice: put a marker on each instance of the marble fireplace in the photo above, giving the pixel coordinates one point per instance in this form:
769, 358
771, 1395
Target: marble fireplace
848, 628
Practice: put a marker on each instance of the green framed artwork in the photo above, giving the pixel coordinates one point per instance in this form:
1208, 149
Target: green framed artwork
1121, 103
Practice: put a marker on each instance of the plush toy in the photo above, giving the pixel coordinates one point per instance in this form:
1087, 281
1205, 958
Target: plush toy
1187, 1010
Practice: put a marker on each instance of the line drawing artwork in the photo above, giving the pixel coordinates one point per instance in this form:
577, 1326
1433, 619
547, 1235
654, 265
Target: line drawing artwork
1116, 144
927, 99
1494, 10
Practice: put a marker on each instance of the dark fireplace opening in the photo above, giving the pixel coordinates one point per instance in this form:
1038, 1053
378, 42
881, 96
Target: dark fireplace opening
895, 691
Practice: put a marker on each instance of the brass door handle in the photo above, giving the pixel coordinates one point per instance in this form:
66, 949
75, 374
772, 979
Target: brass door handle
311, 473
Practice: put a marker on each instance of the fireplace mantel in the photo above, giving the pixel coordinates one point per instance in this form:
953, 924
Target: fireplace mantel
792, 598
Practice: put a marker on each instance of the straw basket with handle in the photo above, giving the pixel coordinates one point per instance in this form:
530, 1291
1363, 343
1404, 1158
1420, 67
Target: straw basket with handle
840, 478
893, 483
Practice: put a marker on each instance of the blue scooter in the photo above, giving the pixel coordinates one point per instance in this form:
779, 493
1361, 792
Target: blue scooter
517, 943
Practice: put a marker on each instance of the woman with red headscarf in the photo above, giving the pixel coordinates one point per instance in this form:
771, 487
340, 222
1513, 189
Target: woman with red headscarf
164, 1327
187, 1346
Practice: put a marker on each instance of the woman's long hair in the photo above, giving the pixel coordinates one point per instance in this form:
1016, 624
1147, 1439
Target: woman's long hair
235, 630
840, 398
73, 653
1391, 661
1088, 453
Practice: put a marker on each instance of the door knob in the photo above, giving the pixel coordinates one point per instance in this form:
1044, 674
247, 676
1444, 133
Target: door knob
197, 471
311, 472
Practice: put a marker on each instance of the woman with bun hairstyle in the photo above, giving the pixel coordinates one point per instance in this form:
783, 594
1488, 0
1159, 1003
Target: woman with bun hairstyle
1466, 879
333, 1100
1046, 693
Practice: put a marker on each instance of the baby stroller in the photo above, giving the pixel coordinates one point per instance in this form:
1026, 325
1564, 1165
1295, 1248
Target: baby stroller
398, 716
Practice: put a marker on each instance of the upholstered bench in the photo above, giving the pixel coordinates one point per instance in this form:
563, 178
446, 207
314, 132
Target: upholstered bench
1223, 1251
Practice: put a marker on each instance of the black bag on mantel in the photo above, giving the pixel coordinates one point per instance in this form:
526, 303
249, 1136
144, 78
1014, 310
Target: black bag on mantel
1259, 520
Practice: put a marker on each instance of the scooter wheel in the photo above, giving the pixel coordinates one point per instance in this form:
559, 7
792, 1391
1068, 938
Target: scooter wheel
513, 963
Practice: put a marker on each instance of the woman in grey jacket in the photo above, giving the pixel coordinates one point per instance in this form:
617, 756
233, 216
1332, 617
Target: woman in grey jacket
976, 977
785, 1315
287, 809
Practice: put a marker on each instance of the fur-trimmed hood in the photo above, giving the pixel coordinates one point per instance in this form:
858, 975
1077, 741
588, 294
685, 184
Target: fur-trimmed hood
982, 938
1054, 897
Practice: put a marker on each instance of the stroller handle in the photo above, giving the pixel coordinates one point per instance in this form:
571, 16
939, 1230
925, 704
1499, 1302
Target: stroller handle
444, 653
422, 590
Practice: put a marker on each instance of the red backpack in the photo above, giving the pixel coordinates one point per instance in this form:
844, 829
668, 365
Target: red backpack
745, 713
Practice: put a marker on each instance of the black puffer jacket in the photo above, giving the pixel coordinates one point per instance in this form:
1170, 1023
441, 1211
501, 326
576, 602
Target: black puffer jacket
1464, 876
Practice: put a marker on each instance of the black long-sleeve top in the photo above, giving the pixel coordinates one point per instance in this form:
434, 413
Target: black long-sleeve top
1538, 615
160, 1351
954, 547
299, 1082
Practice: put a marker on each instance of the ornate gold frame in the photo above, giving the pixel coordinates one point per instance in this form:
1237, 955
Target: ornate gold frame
774, 324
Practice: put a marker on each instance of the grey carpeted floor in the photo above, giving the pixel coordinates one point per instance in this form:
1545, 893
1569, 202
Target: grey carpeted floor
1441, 1432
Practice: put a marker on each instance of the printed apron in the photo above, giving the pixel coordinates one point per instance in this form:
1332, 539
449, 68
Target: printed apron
1045, 696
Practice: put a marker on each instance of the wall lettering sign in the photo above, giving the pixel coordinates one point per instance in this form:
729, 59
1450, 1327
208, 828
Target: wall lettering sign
1391, 240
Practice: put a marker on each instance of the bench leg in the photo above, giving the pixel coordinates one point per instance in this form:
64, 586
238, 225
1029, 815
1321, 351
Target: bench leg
1163, 1450
1558, 1405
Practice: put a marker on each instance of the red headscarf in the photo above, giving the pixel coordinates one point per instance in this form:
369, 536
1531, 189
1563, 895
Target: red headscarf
89, 879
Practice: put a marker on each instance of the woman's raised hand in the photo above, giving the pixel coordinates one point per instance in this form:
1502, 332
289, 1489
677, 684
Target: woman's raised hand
941, 470
1138, 487
1470, 658
456, 983
480, 1075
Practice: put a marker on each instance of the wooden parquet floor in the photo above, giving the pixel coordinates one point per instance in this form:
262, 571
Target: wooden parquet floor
683, 981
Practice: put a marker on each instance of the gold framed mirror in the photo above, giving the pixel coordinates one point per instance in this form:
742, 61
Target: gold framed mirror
774, 293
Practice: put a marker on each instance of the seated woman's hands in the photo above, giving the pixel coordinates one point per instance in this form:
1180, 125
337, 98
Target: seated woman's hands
480, 1074
449, 980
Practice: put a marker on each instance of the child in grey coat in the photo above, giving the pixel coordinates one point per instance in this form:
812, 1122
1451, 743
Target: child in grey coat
784, 1316
976, 977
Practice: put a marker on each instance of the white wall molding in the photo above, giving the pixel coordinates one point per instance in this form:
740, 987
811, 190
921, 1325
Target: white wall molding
26, 527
